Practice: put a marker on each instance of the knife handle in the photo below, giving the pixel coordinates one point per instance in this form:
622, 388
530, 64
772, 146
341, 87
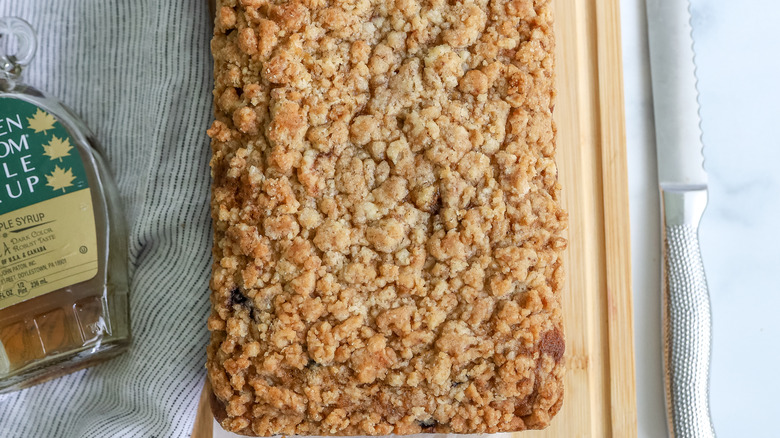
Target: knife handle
686, 316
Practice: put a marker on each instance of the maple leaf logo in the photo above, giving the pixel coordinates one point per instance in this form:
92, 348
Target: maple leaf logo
41, 121
60, 179
57, 148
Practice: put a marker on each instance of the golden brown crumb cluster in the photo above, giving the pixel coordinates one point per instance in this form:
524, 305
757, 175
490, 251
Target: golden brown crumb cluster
387, 229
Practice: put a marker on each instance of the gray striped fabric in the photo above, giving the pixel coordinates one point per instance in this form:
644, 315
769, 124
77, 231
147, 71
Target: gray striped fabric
139, 73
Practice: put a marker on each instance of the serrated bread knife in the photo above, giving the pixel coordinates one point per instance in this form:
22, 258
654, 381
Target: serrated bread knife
683, 186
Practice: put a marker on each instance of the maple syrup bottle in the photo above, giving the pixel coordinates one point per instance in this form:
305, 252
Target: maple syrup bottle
63, 241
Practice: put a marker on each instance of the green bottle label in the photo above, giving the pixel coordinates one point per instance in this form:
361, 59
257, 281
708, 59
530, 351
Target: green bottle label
38, 160
47, 223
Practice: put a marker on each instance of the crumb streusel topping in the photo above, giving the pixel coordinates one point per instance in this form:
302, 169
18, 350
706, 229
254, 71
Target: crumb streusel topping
387, 228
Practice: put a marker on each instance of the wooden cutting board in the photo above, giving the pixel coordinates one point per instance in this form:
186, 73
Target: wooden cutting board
600, 398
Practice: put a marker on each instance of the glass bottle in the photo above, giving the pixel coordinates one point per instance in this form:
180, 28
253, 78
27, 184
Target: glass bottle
63, 240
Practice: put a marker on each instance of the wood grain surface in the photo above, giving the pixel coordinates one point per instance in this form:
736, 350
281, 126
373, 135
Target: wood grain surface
600, 398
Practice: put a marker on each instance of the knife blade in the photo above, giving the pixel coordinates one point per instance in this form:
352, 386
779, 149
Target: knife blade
683, 190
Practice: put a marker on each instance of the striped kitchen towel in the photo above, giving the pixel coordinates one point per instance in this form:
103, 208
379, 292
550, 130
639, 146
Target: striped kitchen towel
139, 74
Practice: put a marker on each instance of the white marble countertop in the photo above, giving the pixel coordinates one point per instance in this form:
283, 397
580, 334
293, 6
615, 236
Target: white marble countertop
737, 66
738, 69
